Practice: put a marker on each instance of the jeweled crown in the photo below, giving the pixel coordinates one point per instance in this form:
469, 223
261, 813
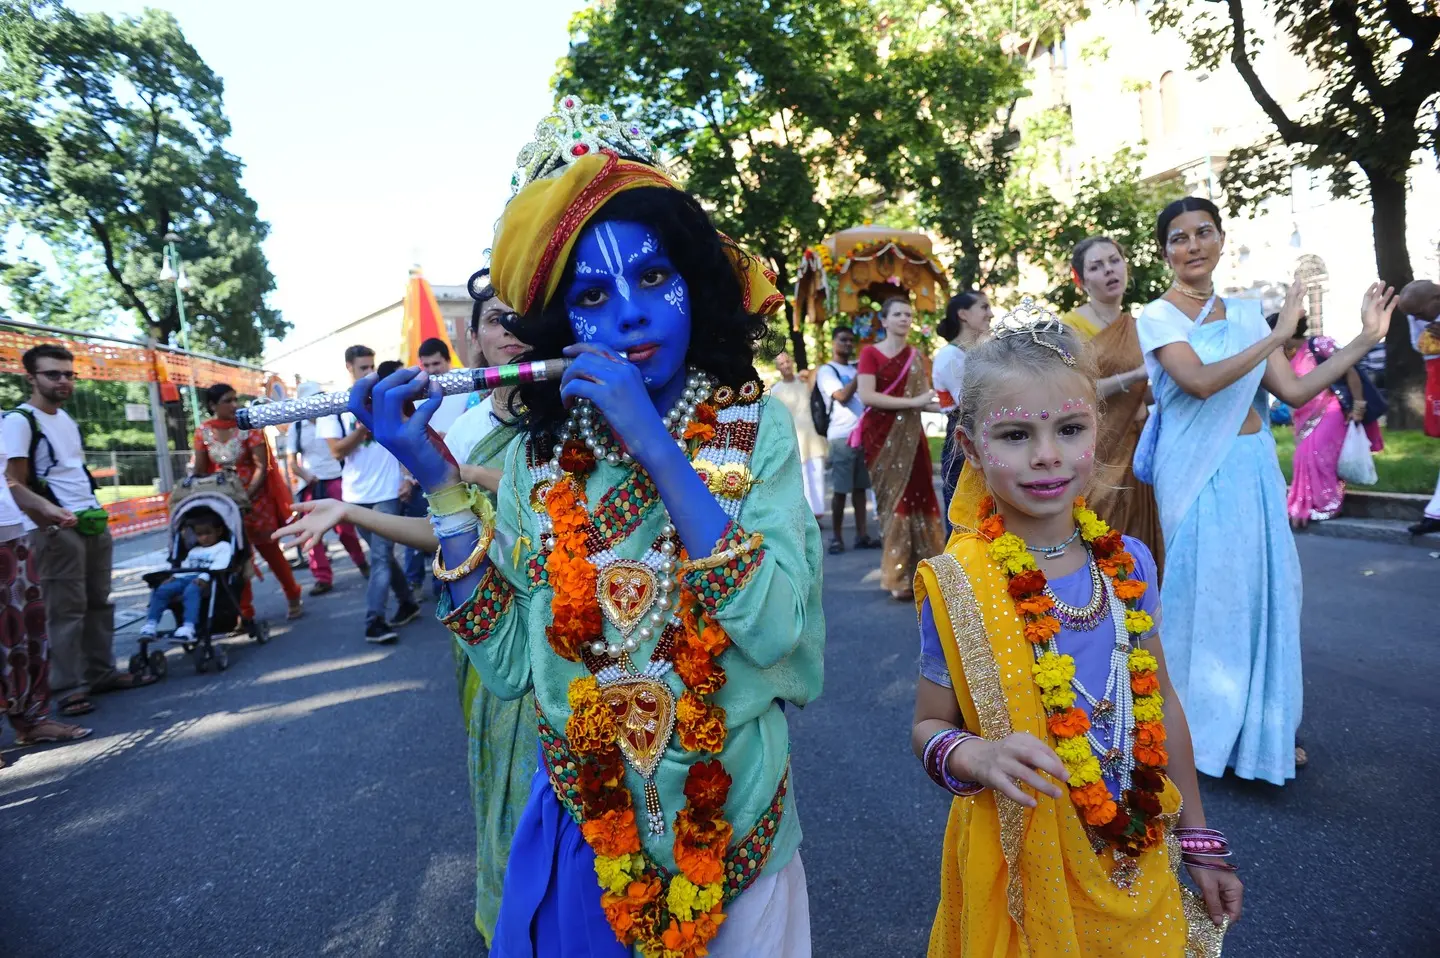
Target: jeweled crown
573, 131
1033, 320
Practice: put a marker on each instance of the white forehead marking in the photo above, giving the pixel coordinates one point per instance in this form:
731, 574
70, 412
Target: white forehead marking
647, 247
583, 331
613, 261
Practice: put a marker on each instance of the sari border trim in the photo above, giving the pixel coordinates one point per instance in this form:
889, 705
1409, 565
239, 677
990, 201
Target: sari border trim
982, 674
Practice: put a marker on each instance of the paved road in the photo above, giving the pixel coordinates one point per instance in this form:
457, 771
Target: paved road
311, 800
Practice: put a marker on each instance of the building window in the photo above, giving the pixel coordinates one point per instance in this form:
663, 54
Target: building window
1169, 104
1312, 272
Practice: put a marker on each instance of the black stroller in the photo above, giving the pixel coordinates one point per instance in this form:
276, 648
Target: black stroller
223, 497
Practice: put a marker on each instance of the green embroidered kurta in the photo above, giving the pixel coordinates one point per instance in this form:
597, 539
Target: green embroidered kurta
771, 611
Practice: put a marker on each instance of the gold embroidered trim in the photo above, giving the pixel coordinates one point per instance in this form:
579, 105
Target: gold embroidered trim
983, 677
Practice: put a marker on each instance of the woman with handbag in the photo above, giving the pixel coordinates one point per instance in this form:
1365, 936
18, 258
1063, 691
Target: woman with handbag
1316, 489
221, 444
894, 385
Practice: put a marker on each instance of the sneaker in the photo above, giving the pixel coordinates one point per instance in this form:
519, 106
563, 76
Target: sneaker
380, 632
149, 629
320, 588
406, 614
185, 633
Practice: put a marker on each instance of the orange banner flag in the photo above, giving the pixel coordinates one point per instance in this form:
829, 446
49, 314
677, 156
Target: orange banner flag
422, 320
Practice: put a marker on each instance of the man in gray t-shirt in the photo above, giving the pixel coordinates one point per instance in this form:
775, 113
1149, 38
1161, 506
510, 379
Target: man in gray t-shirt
836, 380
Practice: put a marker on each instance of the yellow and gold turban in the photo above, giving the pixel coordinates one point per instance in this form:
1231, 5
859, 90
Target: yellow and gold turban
542, 222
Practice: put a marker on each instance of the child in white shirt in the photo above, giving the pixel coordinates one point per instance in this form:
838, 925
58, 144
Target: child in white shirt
211, 553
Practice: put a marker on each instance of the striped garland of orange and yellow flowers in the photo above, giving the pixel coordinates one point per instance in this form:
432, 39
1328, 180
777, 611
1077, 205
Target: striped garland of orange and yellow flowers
1134, 828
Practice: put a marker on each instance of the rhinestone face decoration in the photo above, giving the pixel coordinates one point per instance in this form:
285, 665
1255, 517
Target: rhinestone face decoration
573, 131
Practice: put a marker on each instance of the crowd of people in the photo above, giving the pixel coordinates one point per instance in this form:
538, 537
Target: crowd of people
634, 624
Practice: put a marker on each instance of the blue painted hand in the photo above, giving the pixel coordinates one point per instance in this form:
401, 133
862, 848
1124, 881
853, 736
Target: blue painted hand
630, 311
404, 430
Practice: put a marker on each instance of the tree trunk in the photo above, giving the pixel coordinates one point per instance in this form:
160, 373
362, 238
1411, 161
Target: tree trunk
1404, 370
797, 336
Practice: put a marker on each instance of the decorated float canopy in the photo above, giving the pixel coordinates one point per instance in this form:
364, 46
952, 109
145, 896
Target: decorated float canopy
867, 263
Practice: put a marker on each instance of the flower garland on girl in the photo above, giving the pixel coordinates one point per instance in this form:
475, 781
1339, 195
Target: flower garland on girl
667, 916
1131, 827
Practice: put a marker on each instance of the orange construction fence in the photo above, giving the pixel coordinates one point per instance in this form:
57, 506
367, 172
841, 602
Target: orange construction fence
142, 514
135, 364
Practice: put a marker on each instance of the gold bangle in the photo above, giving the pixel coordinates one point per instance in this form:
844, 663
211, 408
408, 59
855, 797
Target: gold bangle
471, 563
717, 559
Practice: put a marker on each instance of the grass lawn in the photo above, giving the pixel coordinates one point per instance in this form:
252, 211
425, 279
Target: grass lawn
1409, 463
108, 494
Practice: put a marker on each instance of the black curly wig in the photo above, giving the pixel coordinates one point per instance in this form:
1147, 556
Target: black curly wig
723, 336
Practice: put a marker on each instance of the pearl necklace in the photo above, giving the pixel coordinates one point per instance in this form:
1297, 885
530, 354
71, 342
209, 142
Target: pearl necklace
1191, 292
601, 439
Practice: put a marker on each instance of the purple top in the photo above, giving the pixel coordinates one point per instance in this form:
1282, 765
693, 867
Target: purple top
1091, 650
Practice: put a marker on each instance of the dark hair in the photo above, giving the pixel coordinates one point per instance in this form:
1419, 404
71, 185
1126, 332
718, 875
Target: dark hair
1077, 258
432, 346
1300, 327
1186, 204
723, 336
34, 354
215, 393
834, 335
355, 352
892, 301
950, 326
387, 367
482, 292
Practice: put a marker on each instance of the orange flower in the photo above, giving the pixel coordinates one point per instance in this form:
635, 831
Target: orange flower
713, 638
703, 866
1069, 723
1042, 629
1114, 565
1150, 750
992, 527
576, 457
707, 785
1109, 544
697, 670
1027, 583
1144, 683
986, 506
613, 833
1094, 802
1128, 590
591, 730
700, 430
705, 412
1035, 605
687, 939
1100, 814
1148, 755
624, 911
701, 727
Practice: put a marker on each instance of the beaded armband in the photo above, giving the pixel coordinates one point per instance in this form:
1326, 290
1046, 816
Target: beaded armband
717, 583
474, 620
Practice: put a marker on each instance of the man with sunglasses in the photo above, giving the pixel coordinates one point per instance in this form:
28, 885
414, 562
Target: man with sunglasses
46, 455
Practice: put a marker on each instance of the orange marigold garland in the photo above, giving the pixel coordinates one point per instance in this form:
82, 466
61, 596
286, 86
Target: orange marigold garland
1130, 827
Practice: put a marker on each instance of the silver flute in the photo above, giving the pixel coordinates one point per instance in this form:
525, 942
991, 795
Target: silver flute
455, 381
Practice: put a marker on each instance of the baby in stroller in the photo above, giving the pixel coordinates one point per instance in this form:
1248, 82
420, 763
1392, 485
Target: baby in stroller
212, 552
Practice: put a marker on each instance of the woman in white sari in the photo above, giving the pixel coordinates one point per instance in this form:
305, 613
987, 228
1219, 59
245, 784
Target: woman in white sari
1231, 593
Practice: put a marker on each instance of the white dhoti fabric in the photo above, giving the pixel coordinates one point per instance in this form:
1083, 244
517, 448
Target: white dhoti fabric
1432, 508
770, 918
814, 472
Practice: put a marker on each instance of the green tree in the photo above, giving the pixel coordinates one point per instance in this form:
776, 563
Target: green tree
1110, 200
1375, 106
112, 134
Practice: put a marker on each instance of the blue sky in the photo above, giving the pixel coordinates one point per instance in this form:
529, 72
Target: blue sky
375, 135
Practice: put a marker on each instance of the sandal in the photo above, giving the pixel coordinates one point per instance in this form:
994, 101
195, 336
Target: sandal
47, 730
295, 610
74, 706
866, 542
1301, 758
836, 547
121, 681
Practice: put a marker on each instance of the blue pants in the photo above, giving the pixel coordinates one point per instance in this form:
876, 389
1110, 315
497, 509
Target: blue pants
385, 573
187, 588
417, 563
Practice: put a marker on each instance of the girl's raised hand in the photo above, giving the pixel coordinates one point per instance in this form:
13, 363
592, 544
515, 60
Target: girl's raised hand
1015, 760
1375, 311
405, 430
1222, 891
617, 388
1289, 320
314, 519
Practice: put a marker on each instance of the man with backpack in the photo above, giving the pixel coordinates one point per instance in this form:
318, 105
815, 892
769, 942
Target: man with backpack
46, 456
794, 393
835, 403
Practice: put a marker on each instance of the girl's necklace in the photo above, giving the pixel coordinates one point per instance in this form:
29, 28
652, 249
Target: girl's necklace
1084, 618
1055, 552
1191, 292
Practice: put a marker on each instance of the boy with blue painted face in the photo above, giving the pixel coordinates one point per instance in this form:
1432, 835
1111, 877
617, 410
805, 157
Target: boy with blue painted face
651, 570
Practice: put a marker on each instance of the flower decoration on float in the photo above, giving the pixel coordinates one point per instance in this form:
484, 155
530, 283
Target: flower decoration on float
576, 130
1131, 826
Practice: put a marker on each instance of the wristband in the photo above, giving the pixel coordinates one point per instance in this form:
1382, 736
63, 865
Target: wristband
459, 497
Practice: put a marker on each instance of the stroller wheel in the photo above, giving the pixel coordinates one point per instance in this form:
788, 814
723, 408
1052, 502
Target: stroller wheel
188, 647
261, 631
159, 664
137, 664
203, 655
222, 658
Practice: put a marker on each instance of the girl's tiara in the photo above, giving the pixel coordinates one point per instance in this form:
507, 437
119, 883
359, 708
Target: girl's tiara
1034, 321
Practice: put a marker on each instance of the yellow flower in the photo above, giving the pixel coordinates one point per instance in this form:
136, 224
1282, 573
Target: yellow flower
708, 897
584, 693
1138, 623
1085, 773
1091, 526
681, 898
1010, 552
616, 873
1053, 671
1073, 751
1143, 661
1057, 699
1149, 708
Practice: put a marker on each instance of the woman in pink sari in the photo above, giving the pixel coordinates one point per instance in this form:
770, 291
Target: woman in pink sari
894, 385
1316, 492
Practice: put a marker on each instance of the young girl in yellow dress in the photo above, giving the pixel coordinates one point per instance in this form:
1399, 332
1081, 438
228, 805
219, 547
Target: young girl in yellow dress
1043, 703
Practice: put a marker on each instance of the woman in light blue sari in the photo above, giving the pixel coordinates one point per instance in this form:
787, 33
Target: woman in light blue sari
1232, 588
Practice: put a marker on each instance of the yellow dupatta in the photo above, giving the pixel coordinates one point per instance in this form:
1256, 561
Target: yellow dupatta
1028, 883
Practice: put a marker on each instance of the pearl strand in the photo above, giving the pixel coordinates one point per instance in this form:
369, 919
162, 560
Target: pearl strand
585, 422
